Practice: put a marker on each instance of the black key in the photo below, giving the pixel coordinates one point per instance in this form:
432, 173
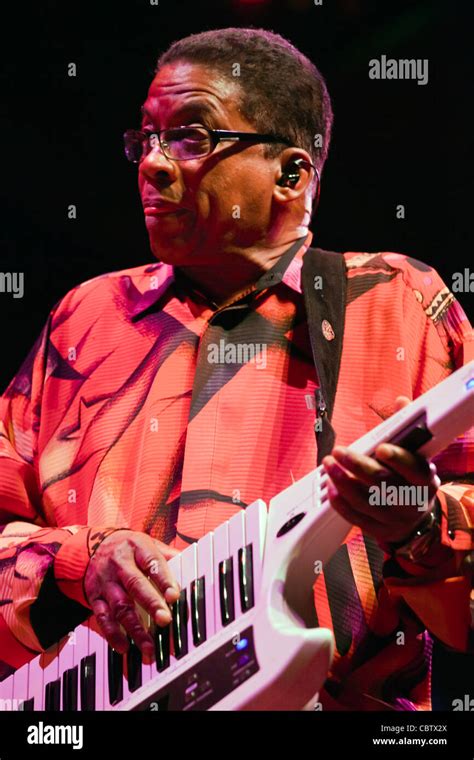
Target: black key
47, 697
28, 705
226, 590
198, 610
88, 683
115, 676
52, 696
246, 578
162, 648
180, 625
134, 666
70, 690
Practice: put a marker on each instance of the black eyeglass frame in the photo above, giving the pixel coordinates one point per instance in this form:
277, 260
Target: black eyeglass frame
220, 135
216, 136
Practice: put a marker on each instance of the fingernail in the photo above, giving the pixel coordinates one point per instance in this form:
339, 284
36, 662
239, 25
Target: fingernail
162, 617
387, 451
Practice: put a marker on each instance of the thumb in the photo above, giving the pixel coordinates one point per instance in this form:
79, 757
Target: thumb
401, 401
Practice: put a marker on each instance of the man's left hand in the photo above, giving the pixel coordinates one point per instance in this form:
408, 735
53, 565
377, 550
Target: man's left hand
352, 476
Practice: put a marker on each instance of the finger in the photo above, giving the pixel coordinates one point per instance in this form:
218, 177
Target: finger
124, 611
142, 591
365, 522
356, 494
350, 488
401, 402
110, 628
168, 552
153, 564
365, 468
413, 468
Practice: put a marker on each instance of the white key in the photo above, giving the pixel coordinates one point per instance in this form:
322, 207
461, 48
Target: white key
126, 690
146, 668
205, 568
221, 552
105, 680
35, 683
188, 575
255, 530
80, 644
20, 686
175, 567
6, 694
66, 662
97, 647
236, 542
107, 705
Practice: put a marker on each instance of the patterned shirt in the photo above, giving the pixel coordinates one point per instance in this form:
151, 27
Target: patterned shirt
142, 405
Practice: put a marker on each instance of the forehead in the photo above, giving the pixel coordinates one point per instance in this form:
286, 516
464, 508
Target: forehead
183, 84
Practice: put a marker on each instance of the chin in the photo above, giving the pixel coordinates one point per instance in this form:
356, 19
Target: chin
171, 253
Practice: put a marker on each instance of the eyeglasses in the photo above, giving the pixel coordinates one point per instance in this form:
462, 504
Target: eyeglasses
185, 143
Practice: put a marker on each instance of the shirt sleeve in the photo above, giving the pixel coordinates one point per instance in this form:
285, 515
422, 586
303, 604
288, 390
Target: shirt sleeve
42, 566
440, 591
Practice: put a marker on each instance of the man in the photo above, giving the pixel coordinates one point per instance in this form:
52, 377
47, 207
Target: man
160, 400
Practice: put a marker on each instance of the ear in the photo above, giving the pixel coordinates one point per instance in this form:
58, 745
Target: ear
285, 163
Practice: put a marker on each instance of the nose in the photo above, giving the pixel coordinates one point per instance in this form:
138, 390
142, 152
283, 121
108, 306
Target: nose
156, 165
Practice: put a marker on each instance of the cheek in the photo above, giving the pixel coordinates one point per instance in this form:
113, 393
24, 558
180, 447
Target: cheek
243, 193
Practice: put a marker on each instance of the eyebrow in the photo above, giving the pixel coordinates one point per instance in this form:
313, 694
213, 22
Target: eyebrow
196, 105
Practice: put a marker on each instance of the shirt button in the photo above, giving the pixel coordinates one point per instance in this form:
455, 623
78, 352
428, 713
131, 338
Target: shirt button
328, 332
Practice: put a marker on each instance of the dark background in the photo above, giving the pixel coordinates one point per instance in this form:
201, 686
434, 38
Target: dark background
394, 142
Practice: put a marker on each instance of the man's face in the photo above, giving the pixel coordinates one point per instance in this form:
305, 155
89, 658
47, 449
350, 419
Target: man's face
227, 195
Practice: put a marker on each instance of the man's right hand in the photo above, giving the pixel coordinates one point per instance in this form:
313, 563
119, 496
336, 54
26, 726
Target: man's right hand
130, 568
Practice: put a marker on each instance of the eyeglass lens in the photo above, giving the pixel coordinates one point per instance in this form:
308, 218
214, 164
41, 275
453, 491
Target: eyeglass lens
189, 142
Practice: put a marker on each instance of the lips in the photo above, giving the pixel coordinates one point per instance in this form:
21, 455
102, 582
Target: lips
158, 211
156, 207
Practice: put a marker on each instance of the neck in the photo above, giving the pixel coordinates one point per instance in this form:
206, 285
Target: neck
236, 271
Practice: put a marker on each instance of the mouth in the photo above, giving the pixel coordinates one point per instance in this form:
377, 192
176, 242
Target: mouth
163, 211
160, 207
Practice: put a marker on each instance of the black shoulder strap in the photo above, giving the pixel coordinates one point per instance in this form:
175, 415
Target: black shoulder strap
324, 286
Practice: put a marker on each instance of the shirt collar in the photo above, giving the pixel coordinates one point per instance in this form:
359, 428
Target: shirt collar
287, 270
161, 277
288, 267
